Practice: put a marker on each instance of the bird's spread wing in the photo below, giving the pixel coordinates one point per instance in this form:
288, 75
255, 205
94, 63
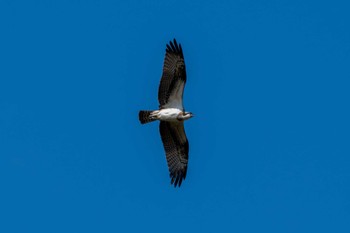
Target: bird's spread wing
173, 78
176, 149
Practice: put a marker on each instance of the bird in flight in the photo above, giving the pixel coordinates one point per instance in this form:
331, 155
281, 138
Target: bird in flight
171, 113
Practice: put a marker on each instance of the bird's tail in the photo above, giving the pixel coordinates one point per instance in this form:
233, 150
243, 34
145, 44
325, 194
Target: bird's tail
145, 117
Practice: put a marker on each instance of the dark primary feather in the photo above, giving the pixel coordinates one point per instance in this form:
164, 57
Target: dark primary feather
176, 148
174, 71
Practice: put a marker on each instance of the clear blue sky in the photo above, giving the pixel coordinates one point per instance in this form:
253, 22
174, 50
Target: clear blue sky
268, 82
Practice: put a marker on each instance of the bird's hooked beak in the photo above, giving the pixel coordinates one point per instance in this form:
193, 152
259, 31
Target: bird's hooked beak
188, 115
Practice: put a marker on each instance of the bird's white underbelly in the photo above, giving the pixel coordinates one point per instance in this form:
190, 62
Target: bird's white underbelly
168, 114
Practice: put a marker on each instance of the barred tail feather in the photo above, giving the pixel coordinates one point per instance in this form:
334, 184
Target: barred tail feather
144, 117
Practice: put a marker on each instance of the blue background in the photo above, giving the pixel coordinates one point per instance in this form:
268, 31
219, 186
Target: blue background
268, 82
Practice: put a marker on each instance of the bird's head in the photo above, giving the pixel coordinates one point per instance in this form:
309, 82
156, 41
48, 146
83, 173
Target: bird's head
188, 115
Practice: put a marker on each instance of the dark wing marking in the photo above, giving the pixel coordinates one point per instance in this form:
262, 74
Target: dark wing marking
176, 148
173, 80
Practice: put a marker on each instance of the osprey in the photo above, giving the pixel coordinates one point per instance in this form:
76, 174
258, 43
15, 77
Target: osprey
171, 113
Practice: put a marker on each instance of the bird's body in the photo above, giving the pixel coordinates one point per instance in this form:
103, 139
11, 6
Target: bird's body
171, 113
168, 114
